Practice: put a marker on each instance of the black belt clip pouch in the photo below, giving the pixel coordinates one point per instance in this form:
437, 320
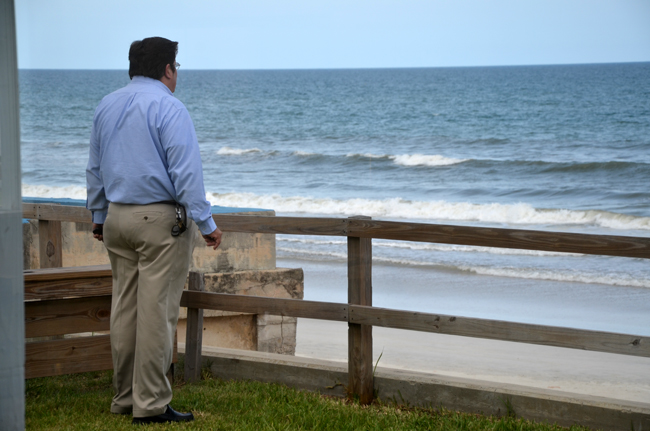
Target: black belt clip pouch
181, 220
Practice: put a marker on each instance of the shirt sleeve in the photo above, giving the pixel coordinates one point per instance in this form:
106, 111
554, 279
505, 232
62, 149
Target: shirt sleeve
185, 169
96, 200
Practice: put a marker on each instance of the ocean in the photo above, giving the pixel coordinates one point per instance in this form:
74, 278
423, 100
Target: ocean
556, 148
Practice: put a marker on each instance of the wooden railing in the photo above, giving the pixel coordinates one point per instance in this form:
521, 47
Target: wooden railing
63, 301
359, 312
361, 315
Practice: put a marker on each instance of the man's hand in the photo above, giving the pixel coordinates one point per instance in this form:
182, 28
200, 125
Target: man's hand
214, 239
98, 236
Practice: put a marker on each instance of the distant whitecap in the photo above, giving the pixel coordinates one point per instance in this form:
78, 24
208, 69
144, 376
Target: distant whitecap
229, 151
425, 160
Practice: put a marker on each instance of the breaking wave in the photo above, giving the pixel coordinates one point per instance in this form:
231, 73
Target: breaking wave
229, 151
412, 159
56, 192
398, 208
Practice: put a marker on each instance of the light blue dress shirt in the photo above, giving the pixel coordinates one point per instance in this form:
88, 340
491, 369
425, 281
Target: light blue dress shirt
143, 149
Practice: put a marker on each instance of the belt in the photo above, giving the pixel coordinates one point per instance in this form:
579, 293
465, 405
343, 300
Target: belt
152, 203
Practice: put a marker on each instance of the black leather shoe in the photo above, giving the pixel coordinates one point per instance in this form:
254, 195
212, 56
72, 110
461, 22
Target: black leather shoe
170, 415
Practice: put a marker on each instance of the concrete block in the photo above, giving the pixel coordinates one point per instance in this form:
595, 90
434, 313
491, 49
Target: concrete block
276, 334
238, 251
79, 246
289, 327
234, 332
268, 319
269, 337
275, 283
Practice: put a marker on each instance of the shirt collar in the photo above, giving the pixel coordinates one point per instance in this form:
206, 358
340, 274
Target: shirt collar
143, 80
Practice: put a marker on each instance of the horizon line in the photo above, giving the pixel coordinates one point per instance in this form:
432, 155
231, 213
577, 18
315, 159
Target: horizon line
358, 68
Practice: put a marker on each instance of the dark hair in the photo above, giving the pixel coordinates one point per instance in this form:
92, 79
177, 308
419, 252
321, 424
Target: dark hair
149, 57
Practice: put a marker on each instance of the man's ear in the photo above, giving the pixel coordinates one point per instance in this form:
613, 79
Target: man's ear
169, 73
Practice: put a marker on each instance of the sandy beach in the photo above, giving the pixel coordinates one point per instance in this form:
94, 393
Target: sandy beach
598, 307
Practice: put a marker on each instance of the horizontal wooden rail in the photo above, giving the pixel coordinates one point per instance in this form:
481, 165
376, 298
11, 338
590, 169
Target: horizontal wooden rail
598, 341
285, 225
67, 273
56, 213
442, 324
76, 281
608, 245
265, 305
73, 355
503, 238
72, 316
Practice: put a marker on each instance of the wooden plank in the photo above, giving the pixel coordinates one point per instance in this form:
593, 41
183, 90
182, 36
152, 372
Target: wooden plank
360, 271
56, 212
67, 273
360, 379
503, 238
174, 354
71, 355
58, 283
262, 305
68, 288
286, 225
608, 245
50, 244
609, 342
194, 331
67, 316
59, 289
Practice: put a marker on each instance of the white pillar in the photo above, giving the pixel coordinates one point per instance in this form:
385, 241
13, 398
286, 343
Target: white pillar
12, 310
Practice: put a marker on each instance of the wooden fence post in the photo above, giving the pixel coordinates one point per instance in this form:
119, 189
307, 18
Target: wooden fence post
194, 332
50, 244
360, 380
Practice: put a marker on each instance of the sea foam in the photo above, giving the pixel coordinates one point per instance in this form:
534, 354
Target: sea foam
56, 192
559, 275
421, 246
425, 160
398, 208
412, 159
229, 151
408, 160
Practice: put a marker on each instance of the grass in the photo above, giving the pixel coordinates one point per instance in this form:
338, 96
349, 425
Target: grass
82, 401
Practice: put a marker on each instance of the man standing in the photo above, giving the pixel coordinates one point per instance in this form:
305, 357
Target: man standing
144, 172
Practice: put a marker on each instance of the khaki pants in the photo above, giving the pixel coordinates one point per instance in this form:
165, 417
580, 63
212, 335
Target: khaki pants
149, 271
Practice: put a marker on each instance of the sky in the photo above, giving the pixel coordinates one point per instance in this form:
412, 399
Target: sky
317, 34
